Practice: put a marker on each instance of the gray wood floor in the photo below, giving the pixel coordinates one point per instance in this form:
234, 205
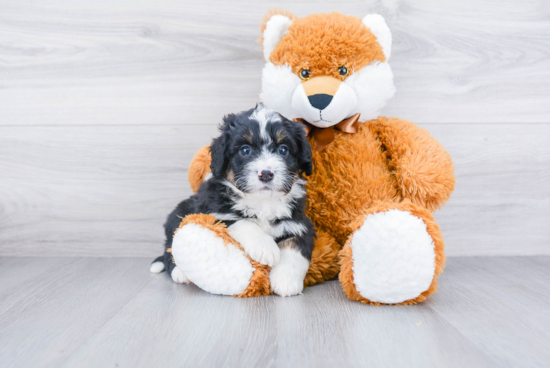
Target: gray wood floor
110, 312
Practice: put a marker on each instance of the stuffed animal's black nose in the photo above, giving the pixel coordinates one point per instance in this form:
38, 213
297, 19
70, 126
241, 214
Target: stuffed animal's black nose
320, 100
266, 176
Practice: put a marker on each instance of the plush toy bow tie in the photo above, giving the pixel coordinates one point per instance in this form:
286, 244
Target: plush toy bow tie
324, 136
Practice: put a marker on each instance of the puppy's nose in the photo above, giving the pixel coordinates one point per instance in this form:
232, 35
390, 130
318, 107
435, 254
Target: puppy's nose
266, 176
320, 100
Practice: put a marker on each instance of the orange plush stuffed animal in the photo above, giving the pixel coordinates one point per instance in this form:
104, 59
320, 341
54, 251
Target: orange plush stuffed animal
375, 180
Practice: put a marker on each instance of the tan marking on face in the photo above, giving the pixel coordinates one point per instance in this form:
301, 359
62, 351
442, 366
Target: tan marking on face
322, 84
230, 176
280, 136
248, 136
289, 243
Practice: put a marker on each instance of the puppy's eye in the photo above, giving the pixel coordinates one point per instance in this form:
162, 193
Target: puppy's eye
245, 150
283, 150
343, 70
305, 74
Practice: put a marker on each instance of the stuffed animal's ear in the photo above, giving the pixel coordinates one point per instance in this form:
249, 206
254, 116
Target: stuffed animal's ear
275, 28
218, 149
380, 29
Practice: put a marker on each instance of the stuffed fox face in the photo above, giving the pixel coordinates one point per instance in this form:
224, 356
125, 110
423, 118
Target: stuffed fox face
324, 68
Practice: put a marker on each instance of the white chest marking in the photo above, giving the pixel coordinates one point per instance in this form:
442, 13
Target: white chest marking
266, 206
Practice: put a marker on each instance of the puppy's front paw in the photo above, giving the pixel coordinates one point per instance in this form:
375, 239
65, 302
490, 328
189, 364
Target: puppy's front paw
287, 277
264, 251
256, 243
284, 283
179, 277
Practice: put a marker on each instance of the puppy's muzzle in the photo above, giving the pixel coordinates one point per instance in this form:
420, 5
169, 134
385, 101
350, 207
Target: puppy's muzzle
266, 176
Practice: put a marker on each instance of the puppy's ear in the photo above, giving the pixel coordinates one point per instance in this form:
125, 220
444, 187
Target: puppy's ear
218, 165
218, 149
304, 148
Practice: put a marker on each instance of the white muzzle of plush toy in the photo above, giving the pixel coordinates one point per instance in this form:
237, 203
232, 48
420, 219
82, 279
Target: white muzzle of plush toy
324, 101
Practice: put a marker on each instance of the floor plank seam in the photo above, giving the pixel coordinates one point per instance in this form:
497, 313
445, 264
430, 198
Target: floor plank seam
100, 327
7, 309
473, 343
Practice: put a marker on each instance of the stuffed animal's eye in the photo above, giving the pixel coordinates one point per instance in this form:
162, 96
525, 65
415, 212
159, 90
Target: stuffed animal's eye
245, 150
283, 150
343, 70
305, 74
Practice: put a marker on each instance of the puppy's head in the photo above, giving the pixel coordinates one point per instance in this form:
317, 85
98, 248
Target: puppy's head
259, 151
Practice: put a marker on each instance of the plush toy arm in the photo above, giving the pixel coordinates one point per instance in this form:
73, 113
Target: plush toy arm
199, 168
422, 167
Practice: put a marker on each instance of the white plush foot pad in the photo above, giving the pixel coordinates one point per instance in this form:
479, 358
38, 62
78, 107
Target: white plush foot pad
209, 263
393, 257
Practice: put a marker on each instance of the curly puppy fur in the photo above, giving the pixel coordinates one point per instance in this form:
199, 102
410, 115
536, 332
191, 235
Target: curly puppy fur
256, 192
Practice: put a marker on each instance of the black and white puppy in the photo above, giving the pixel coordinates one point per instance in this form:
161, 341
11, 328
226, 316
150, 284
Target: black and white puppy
257, 189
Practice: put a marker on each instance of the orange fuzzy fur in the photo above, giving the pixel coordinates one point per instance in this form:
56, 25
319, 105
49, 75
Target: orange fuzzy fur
423, 169
199, 168
324, 260
389, 163
357, 171
324, 42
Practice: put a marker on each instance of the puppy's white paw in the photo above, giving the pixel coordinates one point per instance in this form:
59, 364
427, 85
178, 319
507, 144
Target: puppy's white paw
179, 277
264, 251
156, 267
256, 243
285, 284
287, 277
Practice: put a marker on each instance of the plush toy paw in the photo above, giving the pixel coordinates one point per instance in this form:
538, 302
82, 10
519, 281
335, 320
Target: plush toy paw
210, 263
287, 277
207, 255
179, 277
256, 243
391, 258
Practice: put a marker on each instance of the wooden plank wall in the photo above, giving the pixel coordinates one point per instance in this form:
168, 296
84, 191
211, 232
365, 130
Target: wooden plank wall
103, 103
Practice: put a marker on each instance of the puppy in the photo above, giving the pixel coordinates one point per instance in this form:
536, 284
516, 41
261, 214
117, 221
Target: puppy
257, 189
